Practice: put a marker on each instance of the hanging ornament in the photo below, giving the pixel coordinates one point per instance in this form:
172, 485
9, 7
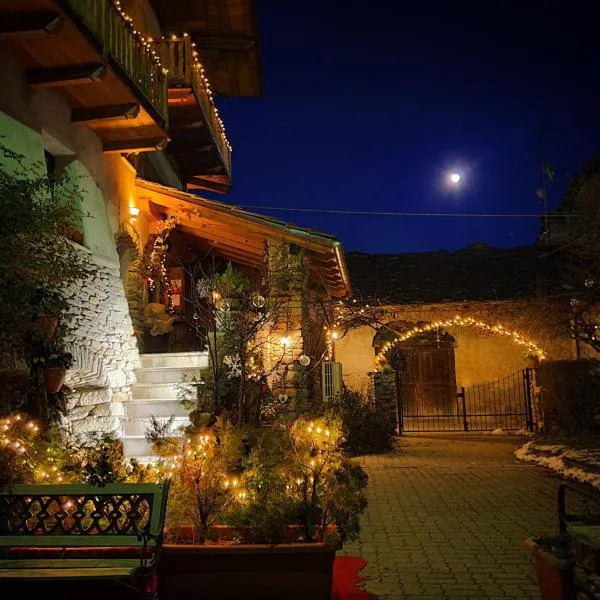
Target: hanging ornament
203, 287
258, 301
304, 360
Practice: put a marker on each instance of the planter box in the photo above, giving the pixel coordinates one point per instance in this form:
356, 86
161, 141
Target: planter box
258, 571
554, 572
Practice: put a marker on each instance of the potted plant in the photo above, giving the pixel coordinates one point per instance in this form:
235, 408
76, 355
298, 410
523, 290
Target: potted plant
56, 370
159, 325
50, 357
288, 494
554, 563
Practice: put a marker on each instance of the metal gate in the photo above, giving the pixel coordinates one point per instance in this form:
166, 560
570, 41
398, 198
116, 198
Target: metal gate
502, 404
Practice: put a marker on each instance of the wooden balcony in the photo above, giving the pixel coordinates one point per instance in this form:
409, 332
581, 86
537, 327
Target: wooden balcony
199, 144
90, 52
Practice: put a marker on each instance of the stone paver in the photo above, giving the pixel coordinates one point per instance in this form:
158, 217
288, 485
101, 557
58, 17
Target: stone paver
447, 518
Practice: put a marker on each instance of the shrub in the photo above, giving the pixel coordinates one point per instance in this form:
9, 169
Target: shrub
368, 428
570, 396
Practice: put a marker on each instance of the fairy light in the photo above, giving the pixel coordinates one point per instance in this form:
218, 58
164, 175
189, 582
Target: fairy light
459, 321
200, 73
137, 35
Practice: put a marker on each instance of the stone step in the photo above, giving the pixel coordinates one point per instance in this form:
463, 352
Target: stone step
183, 360
153, 407
167, 374
162, 391
137, 426
136, 447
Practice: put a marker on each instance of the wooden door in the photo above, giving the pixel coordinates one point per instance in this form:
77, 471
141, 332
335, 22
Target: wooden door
428, 379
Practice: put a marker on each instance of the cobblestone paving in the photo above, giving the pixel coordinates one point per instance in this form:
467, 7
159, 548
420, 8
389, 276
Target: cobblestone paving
447, 519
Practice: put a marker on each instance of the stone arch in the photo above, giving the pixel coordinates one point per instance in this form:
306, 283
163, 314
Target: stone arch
422, 328
130, 252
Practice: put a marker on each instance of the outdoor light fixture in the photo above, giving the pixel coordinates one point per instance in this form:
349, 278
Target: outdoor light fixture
285, 341
134, 211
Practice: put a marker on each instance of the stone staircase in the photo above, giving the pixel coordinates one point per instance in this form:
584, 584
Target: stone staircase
156, 394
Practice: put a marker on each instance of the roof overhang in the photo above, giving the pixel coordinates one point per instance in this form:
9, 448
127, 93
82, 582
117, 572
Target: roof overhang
241, 236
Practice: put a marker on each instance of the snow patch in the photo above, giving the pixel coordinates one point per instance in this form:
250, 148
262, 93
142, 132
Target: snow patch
555, 462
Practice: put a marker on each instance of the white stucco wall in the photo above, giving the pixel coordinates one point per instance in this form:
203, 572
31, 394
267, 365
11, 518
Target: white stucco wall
102, 340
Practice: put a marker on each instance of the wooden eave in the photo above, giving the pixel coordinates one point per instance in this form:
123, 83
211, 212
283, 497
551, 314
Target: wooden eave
226, 37
194, 147
70, 59
240, 236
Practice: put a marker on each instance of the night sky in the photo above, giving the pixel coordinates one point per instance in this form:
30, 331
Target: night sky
366, 109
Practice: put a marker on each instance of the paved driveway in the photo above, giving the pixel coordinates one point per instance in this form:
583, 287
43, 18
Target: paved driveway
447, 518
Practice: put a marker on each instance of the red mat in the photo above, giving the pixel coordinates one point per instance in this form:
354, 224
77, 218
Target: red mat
345, 578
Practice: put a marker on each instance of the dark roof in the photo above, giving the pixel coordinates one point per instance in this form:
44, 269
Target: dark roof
478, 272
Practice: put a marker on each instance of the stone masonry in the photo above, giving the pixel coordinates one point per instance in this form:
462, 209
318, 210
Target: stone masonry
104, 349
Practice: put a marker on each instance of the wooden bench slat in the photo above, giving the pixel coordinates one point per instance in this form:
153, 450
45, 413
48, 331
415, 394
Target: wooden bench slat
68, 563
80, 573
87, 568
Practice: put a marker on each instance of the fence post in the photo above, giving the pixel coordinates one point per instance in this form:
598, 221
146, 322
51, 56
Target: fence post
528, 405
385, 388
461, 395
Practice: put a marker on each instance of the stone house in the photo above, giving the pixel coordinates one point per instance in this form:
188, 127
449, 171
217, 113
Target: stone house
97, 90
118, 96
473, 319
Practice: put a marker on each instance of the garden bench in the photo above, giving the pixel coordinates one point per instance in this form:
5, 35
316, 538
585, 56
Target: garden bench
81, 532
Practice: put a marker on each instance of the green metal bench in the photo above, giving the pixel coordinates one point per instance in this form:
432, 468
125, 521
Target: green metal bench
51, 532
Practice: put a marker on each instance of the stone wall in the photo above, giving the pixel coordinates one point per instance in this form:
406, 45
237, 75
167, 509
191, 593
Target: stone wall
104, 348
102, 340
479, 357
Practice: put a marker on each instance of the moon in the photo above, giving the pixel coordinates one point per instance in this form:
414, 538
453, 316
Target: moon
454, 178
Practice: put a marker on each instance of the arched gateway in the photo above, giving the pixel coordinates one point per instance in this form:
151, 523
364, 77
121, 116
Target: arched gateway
417, 360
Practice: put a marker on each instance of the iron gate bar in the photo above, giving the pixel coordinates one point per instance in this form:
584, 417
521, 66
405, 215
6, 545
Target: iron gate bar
505, 404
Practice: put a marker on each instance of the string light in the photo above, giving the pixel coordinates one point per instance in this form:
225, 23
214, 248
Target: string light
516, 336
144, 43
199, 72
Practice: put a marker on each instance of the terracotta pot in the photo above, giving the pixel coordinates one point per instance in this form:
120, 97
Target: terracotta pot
55, 379
47, 324
554, 571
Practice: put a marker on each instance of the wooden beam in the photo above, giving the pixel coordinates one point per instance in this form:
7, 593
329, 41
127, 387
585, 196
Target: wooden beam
224, 42
133, 145
235, 241
63, 76
27, 23
105, 113
206, 183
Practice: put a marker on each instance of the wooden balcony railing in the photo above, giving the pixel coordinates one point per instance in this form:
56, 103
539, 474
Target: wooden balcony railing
179, 57
116, 40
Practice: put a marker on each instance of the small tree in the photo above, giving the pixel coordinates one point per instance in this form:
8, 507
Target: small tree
235, 312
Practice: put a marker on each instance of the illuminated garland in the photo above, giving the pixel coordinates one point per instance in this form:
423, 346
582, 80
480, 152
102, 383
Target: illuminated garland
128, 21
515, 335
199, 67
147, 44
156, 267
17, 434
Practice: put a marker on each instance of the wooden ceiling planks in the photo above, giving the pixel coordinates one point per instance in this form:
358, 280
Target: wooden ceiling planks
241, 236
68, 48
